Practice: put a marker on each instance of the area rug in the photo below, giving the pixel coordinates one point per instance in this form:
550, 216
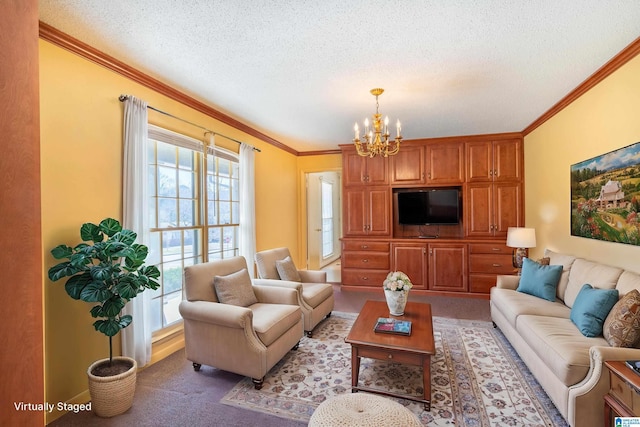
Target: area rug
477, 378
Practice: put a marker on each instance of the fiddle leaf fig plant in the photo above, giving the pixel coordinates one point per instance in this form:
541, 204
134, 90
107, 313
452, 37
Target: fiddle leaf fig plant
109, 272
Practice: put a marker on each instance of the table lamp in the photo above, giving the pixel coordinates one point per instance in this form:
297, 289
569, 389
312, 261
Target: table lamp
521, 239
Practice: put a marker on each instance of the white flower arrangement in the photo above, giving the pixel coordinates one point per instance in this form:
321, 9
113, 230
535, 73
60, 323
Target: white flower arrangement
397, 281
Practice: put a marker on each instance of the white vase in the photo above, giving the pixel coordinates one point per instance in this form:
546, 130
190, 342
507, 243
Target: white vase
396, 301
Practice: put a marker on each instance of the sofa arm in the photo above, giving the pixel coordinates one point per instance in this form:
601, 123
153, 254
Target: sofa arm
277, 295
587, 395
313, 276
227, 315
278, 283
507, 282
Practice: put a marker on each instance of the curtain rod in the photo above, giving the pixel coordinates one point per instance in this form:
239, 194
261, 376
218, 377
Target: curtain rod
122, 98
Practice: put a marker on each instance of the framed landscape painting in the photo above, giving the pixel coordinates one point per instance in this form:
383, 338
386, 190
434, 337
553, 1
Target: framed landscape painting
605, 196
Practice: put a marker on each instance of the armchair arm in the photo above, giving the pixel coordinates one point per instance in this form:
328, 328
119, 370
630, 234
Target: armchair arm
313, 276
227, 315
587, 394
507, 282
276, 295
278, 283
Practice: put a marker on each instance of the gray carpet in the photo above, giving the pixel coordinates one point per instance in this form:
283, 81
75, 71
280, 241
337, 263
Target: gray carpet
171, 393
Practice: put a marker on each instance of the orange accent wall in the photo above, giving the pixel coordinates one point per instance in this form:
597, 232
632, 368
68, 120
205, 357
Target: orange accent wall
20, 260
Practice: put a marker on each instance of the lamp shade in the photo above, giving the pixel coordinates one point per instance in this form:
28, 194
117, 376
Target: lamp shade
521, 237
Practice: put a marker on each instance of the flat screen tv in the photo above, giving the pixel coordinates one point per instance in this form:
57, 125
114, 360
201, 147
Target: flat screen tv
437, 206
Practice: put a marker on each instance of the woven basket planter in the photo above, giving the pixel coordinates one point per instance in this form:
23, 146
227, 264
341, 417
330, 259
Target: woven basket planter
111, 396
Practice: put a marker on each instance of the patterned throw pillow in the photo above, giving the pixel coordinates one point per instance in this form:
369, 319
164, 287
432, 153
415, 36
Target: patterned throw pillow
544, 261
287, 270
622, 326
235, 289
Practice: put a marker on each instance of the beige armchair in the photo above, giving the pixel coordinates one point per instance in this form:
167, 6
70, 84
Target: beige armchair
247, 340
316, 296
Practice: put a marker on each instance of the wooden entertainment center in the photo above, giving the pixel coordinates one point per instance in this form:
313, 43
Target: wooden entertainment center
447, 259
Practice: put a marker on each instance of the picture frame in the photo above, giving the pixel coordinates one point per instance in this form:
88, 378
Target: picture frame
605, 196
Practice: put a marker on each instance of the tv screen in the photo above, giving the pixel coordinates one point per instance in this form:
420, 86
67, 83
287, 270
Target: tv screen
426, 207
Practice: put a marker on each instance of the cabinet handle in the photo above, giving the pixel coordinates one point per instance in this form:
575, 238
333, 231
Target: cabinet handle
429, 175
364, 247
491, 172
495, 249
365, 260
390, 356
365, 278
430, 251
497, 265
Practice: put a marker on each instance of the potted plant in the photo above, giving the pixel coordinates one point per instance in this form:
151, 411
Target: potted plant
109, 272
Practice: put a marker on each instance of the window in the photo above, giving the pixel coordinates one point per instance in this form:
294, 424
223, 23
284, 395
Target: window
327, 219
188, 223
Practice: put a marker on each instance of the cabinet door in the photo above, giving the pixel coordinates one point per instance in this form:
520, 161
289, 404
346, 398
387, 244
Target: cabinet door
448, 267
411, 259
408, 166
353, 168
354, 211
507, 160
479, 161
445, 163
478, 210
378, 218
377, 170
507, 207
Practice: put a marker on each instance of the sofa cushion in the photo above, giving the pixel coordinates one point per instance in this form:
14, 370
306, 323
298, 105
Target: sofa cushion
627, 282
566, 261
235, 289
557, 342
270, 321
591, 308
622, 326
513, 304
539, 280
597, 275
287, 270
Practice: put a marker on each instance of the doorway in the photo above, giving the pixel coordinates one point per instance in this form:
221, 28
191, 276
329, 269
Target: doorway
323, 218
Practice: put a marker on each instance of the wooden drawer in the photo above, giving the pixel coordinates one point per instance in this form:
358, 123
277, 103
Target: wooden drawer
621, 390
491, 264
497, 248
398, 357
363, 277
365, 246
481, 283
373, 260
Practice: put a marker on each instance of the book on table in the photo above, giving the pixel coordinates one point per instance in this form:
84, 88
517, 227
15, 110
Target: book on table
393, 326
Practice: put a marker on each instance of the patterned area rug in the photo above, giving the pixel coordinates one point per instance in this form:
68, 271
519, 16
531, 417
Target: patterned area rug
477, 378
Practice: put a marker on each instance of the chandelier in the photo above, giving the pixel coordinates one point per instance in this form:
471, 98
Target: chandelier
376, 142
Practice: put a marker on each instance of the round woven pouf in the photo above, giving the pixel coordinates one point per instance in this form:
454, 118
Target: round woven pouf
362, 410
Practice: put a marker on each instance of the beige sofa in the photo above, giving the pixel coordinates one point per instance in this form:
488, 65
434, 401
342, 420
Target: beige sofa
568, 365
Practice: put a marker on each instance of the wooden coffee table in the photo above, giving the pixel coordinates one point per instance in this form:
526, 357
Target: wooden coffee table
415, 349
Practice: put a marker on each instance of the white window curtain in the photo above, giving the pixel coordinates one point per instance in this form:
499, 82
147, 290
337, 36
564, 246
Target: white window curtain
136, 338
247, 205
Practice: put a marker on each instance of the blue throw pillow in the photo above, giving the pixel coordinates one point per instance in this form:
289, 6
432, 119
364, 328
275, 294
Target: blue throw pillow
539, 280
591, 308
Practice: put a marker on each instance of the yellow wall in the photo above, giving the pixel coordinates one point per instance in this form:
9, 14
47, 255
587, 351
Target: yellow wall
602, 120
81, 154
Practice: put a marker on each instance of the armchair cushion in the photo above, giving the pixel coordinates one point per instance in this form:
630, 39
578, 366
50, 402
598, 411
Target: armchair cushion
287, 270
235, 289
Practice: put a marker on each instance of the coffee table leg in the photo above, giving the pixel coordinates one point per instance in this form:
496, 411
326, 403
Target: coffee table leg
355, 369
426, 380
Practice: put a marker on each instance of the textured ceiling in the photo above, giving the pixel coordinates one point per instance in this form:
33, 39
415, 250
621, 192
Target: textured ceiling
300, 71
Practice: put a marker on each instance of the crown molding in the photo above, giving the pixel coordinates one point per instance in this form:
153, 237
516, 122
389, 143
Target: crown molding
65, 41
603, 72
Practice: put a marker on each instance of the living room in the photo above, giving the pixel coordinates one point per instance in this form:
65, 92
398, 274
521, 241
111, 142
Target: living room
79, 113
